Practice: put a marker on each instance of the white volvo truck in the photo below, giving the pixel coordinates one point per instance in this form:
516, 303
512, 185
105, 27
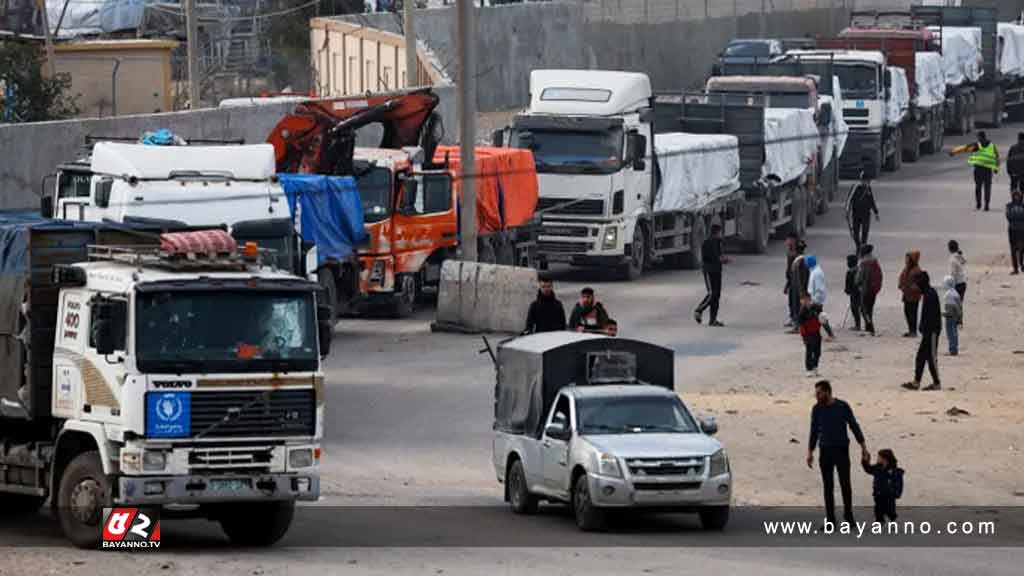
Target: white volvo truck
137, 373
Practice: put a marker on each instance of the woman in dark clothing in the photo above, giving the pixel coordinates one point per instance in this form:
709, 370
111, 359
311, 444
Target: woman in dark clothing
911, 292
887, 486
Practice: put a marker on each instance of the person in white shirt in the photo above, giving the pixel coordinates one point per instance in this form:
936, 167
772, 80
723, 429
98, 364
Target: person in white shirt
818, 289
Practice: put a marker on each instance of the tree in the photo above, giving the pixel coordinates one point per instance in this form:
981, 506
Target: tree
289, 40
25, 94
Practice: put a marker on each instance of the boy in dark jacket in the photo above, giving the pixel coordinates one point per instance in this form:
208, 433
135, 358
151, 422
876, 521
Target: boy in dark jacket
887, 485
810, 331
546, 312
588, 315
931, 329
852, 290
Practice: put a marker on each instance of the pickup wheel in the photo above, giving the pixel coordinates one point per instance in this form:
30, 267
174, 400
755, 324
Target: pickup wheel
519, 496
589, 518
20, 504
256, 524
84, 492
714, 518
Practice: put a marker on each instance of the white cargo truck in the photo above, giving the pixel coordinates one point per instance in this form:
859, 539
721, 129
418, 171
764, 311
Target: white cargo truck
156, 371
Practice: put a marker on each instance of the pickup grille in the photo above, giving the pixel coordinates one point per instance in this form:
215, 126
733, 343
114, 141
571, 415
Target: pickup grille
577, 208
254, 413
555, 247
661, 467
666, 485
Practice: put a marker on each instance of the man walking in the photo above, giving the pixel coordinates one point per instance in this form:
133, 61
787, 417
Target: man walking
869, 282
830, 418
1015, 226
931, 329
1015, 163
862, 204
712, 260
546, 312
985, 160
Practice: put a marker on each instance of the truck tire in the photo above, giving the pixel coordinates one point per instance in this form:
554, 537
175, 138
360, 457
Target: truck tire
20, 504
807, 215
634, 268
758, 242
329, 287
892, 163
693, 259
404, 301
256, 523
519, 496
912, 154
84, 492
798, 217
928, 146
714, 518
589, 518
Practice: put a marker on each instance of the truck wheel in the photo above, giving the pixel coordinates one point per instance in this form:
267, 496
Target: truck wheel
892, 163
256, 524
798, 216
20, 504
589, 518
634, 269
404, 303
325, 277
762, 226
806, 215
84, 492
714, 518
519, 496
693, 259
912, 154
928, 146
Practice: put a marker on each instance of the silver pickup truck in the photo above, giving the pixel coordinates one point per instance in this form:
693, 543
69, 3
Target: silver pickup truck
593, 422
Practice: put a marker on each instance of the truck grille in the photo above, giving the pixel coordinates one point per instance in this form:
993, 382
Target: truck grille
570, 231
577, 208
254, 413
660, 467
555, 247
231, 458
855, 113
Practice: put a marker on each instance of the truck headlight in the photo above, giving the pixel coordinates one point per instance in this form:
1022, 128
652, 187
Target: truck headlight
153, 461
611, 237
608, 465
300, 458
718, 465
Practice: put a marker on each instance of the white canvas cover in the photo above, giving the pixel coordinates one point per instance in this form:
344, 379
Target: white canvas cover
791, 142
1011, 62
962, 60
251, 162
899, 103
930, 80
696, 169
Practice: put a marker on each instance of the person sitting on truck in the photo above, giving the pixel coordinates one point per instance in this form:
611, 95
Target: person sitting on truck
612, 329
985, 160
546, 312
862, 204
589, 315
712, 260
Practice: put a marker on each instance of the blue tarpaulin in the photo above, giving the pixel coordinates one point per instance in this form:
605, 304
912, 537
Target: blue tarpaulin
331, 215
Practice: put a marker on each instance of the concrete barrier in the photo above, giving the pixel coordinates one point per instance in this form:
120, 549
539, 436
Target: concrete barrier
475, 297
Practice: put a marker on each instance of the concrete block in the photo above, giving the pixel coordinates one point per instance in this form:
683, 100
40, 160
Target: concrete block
475, 297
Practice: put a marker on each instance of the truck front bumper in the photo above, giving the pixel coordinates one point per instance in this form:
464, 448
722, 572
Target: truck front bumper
582, 243
161, 490
860, 147
607, 492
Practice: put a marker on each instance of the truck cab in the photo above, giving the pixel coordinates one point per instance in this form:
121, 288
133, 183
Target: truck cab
594, 422
591, 135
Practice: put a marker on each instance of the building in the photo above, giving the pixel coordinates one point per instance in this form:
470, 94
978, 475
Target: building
118, 77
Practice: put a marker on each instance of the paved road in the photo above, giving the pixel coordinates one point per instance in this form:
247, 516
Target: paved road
409, 424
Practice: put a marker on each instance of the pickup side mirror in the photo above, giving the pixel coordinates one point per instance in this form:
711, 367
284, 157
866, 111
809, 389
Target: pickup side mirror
708, 425
558, 428
636, 150
46, 206
107, 317
103, 188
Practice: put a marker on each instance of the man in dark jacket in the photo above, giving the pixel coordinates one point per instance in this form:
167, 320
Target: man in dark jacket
546, 312
792, 299
862, 204
829, 420
712, 260
1015, 164
1015, 227
930, 327
588, 315
799, 277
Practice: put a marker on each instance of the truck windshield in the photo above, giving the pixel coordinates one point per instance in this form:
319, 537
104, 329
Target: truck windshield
858, 81
374, 185
633, 415
568, 152
202, 331
748, 49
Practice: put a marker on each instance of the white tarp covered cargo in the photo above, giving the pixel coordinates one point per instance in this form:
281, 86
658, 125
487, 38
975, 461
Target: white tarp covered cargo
930, 80
899, 103
696, 169
1012, 38
962, 60
791, 142
835, 141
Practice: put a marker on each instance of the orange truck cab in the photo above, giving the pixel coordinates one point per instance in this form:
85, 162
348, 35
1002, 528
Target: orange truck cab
411, 214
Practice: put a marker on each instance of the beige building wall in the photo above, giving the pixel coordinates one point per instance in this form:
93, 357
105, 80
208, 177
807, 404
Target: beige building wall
350, 59
118, 77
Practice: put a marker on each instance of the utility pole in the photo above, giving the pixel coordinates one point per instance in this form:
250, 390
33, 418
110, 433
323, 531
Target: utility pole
192, 38
466, 104
412, 77
51, 62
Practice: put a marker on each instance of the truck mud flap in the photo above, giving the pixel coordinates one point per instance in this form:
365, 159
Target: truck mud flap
475, 297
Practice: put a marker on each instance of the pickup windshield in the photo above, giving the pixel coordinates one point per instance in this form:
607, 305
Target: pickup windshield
858, 81
374, 185
201, 331
633, 415
576, 152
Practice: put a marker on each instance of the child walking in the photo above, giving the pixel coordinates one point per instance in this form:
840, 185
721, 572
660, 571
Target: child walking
852, 290
810, 331
954, 314
887, 486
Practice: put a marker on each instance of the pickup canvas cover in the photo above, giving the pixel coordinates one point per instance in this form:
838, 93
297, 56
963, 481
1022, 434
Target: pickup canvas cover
532, 369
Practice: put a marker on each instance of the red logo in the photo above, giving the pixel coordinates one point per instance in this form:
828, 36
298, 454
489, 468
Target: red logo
131, 528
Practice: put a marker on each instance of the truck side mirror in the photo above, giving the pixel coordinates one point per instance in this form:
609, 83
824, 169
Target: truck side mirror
103, 188
107, 318
498, 138
887, 79
325, 329
825, 114
46, 206
411, 188
636, 150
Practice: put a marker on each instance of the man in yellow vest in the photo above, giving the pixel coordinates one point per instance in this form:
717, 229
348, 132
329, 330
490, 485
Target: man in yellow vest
985, 159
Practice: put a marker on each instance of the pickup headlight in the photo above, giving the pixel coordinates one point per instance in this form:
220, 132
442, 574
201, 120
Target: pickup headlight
611, 237
608, 465
718, 465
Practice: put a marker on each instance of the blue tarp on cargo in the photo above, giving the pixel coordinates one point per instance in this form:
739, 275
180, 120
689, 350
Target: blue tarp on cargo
331, 212
14, 233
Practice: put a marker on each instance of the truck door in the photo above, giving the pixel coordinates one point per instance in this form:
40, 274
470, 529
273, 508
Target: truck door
555, 447
424, 220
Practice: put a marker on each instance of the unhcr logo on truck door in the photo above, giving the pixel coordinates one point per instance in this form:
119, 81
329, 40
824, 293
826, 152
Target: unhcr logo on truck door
168, 414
